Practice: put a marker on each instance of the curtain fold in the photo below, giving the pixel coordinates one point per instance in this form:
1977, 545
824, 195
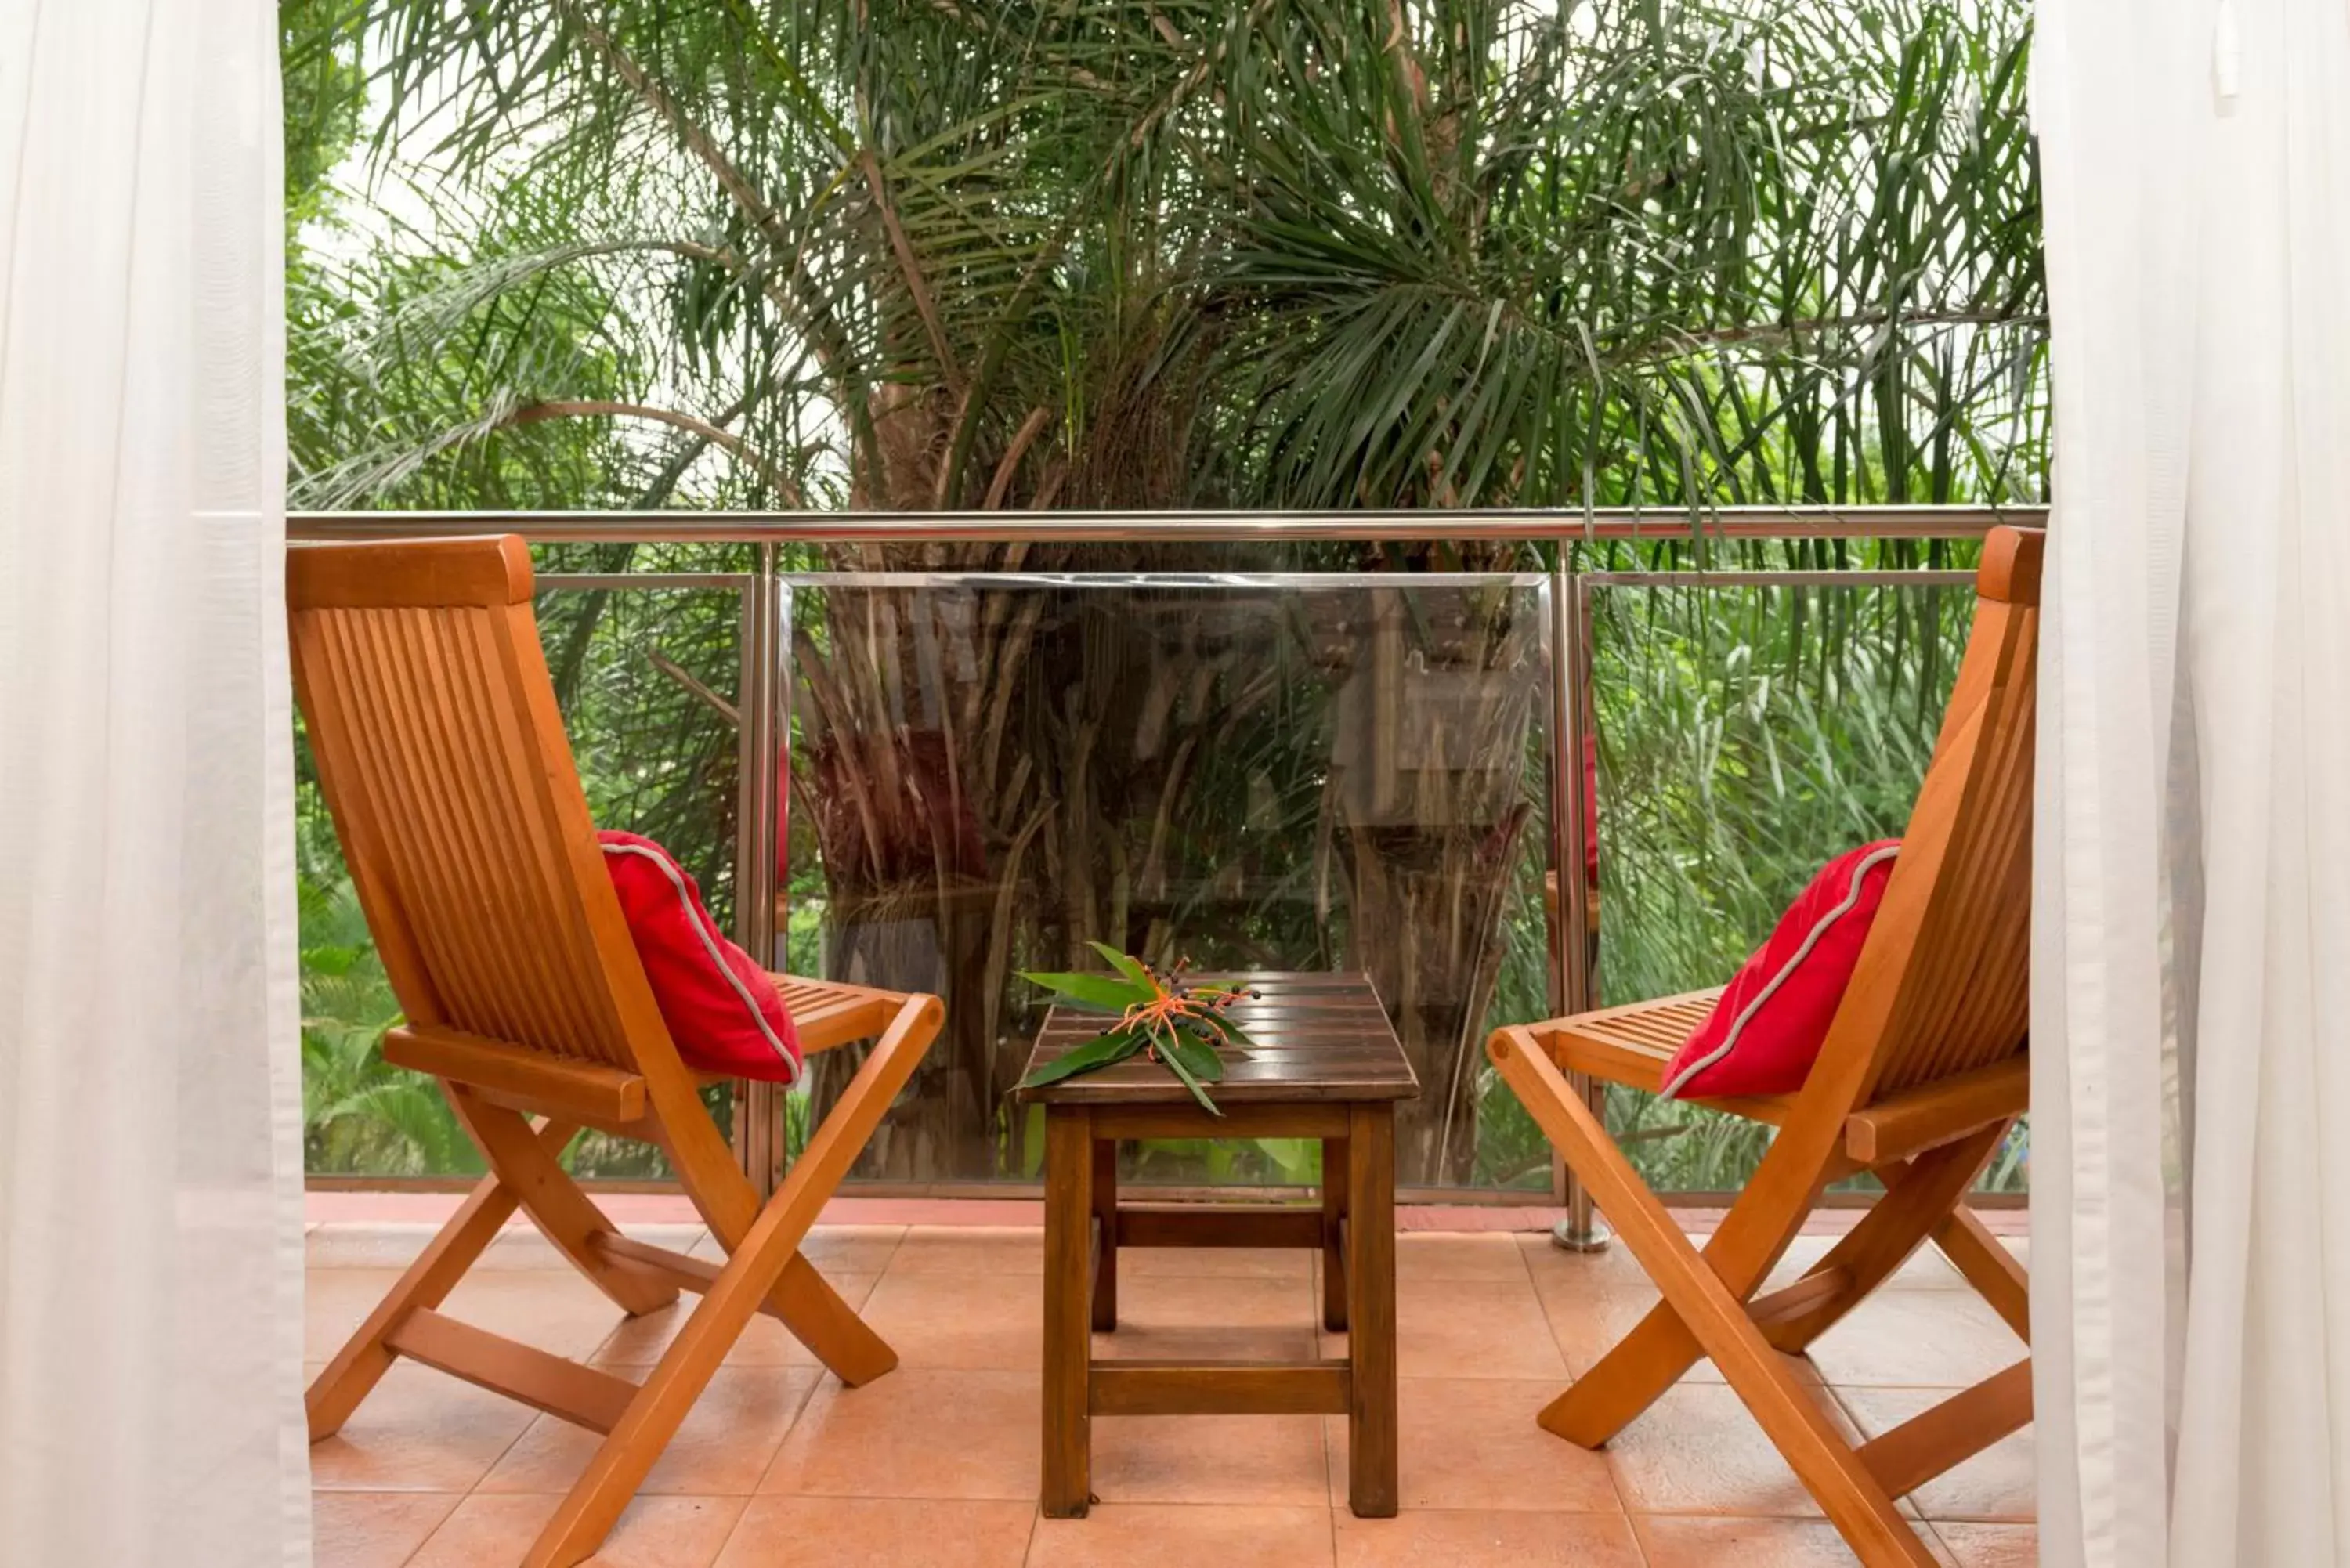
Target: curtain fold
2192, 1226
149, 1092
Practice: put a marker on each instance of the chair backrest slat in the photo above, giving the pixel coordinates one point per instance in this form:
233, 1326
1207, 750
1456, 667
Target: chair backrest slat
1971, 1000
441, 753
1943, 982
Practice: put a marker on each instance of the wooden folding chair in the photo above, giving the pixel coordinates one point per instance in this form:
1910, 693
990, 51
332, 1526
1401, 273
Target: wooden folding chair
1922, 1074
452, 788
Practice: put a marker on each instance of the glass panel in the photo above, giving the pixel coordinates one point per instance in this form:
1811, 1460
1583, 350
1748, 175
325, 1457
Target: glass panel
648, 678
1747, 734
1315, 772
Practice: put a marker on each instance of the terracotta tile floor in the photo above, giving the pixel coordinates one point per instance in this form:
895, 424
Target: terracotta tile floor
936, 1465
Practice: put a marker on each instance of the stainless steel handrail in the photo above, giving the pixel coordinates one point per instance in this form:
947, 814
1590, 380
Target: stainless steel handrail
1527, 523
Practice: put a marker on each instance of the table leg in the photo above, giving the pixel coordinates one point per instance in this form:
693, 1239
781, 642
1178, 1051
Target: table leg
1069, 1288
1372, 1311
1104, 1209
1335, 1180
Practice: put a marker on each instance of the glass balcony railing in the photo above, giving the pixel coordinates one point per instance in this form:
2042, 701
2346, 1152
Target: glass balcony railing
1255, 771
937, 778
1751, 726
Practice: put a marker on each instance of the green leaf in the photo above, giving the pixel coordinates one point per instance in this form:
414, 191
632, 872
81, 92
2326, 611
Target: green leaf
1101, 1051
1131, 968
1103, 992
1174, 1061
1297, 1158
1198, 1057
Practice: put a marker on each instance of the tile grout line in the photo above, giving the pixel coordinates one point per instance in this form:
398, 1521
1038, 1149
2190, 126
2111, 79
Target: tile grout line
727, 1541
1550, 1324
1036, 1531
1614, 1472
1559, 1343
414, 1552
1632, 1528
783, 1437
742, 1513
1322, 1423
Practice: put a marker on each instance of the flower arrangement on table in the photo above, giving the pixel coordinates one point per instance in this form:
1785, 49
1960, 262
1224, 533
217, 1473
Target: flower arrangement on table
1170, 1019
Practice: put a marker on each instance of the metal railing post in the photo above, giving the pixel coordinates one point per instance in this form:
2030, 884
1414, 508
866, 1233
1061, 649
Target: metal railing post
1582, 1230
758, 1107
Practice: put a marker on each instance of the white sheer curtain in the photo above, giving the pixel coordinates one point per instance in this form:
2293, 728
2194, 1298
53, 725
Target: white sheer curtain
2190, 1048
149, 1099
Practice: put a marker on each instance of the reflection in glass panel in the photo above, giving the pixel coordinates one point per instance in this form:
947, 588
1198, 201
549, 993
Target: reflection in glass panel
647, 678
1315, 772
1746, 736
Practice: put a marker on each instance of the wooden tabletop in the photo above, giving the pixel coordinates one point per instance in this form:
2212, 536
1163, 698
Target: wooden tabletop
1321, 1037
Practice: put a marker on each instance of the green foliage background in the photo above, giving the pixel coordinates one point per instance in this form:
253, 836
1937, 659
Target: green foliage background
909, 254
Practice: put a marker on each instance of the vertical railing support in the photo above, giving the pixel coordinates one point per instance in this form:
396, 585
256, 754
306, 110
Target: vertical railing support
1582, 1230
758, 1107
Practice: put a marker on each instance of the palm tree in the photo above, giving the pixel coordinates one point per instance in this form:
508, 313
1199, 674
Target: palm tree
916, 254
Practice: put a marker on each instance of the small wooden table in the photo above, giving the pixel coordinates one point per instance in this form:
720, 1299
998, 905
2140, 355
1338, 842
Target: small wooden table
1327, 1066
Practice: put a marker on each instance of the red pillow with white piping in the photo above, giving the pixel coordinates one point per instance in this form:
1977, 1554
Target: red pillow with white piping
1765, 1033
723, 1010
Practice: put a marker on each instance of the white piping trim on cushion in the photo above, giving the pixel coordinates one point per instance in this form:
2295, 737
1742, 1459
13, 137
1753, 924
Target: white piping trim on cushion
1868, 863
717, 959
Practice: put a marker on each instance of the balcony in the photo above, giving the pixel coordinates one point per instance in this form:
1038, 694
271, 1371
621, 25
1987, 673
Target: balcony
1176, 484
1590, 777
936, 1463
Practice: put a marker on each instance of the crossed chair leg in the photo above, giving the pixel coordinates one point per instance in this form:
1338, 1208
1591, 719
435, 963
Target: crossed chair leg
764, 1271
1710, 1310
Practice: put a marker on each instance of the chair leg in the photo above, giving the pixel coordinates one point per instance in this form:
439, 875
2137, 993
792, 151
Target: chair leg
568, 1217
1919, 1196
1828, 1467
630, 1449
367, 1356
1640, 1367
1950, 1433
1632, 1374
829, 1326
1988, 1266
1661, 1347
802, 1298
808, 1306
754, 1272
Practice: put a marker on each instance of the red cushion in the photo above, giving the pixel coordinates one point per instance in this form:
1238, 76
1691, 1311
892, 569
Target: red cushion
1765, 1033
722, 1009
